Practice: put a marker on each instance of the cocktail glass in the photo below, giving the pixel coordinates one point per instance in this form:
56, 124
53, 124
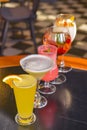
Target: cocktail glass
62, 22
50, 37
24, 92
50, 51
37, 65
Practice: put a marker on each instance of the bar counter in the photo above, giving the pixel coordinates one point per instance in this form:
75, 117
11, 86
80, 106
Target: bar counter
66, 108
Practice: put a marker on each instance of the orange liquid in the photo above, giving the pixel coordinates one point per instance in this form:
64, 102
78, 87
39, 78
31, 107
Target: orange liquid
62, 48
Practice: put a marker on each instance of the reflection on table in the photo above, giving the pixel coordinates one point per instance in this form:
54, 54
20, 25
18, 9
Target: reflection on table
66, 108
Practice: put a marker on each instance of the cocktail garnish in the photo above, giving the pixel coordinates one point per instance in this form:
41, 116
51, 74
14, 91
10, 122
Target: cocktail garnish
72, 18
8, 79
47, 50
64, 23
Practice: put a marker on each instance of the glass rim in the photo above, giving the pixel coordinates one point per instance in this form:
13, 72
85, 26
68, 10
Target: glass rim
23, 60
66, 16
25, 86
54, 47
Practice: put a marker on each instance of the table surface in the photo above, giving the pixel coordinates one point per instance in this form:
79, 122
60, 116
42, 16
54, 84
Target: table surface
75, 62
3, 1
66, 108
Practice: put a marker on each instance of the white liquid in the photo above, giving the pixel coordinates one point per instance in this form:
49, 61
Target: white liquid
37, 65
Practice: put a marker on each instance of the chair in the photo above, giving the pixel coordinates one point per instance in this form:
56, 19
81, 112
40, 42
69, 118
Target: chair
21, 13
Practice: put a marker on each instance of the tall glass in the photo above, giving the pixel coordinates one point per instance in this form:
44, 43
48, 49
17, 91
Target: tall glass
50, 51
37, 65
24, 92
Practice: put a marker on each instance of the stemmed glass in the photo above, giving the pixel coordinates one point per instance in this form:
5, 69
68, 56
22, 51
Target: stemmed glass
50, 51
62, 22
37, 65
59, 38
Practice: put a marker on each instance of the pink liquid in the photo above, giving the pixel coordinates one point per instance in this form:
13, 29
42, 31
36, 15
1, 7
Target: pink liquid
51, 75
44, 50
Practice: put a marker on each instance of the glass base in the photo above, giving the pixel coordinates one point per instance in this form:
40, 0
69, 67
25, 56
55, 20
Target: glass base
49, 89
42, 103
65, 69
25, 121
59, 80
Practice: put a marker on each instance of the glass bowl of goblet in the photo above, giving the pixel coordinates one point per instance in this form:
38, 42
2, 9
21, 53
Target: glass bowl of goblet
37, 65
62, 40
62, 22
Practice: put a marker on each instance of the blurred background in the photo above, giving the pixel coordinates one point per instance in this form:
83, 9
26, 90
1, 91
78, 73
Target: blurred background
20, 42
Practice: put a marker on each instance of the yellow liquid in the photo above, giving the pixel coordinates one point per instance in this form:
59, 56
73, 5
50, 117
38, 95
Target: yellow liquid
24, 94
37, 75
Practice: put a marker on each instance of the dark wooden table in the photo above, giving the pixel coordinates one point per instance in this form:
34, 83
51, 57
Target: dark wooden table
66, 108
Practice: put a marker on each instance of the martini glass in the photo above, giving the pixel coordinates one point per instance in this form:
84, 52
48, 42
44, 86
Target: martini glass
63, 22
37, 65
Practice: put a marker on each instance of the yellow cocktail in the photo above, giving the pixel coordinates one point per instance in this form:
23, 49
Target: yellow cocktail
24, 91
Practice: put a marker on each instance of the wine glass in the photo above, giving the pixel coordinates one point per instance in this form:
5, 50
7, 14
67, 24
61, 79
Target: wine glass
37, 65
54, 36
50, 51
62, 22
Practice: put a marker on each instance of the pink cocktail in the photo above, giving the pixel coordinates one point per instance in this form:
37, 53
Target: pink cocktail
50, 51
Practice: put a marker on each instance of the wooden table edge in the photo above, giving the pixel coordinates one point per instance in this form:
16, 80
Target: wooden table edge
9, 61
75, 62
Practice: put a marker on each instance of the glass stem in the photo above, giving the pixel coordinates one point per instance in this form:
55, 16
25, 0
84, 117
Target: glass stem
38, 81
46, 84
37, 96
62, 63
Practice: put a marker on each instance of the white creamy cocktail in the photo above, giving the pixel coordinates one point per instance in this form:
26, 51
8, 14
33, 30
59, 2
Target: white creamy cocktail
37, 65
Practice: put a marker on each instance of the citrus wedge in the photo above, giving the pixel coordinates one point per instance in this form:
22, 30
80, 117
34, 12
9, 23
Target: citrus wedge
8, 79
72, 18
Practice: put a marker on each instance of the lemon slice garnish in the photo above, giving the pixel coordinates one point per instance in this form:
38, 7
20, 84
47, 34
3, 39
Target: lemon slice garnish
8, 79
72, 18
